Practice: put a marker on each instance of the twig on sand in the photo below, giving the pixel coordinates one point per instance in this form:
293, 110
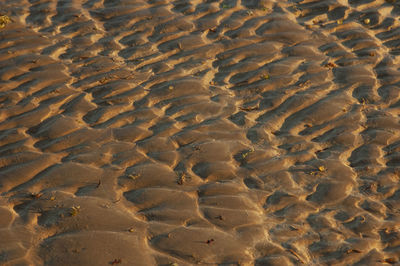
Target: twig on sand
36, 195
117, 200
209, 241
116, 261
330, 65
296, 255
353, 251
389, 261
133, 176
248, 109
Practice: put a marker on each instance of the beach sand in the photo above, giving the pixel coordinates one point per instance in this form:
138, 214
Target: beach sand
210, 132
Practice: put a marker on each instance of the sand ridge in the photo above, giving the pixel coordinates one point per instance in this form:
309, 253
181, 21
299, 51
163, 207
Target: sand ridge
153, 132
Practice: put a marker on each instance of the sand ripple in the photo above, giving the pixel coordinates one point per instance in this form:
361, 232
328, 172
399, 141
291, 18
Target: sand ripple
199, 132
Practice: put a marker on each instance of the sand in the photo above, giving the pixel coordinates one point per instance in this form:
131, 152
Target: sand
209, 132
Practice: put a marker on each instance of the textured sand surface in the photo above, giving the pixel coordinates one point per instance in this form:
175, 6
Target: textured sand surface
210, 132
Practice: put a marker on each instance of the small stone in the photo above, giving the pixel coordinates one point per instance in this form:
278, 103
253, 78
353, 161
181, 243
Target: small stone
4, 20
74, 210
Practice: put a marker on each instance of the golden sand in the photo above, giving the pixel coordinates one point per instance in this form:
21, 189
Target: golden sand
235, 132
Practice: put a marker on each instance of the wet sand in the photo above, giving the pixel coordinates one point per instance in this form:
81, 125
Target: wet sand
235, 132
